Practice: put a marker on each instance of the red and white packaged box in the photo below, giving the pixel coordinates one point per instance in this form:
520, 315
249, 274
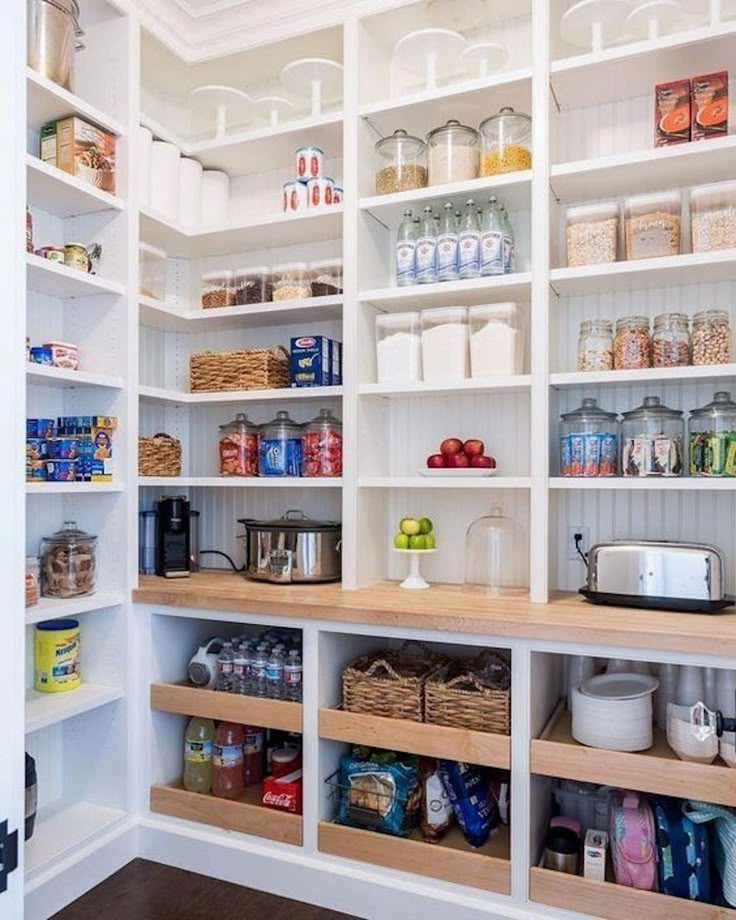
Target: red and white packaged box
284, 793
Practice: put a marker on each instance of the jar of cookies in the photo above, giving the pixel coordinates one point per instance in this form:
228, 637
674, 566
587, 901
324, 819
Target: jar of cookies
671, 340
68, 562
711, 337
632, 347
595, 345
238, 447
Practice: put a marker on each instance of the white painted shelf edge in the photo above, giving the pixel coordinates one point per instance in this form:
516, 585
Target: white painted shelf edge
174, 397
44, 709
240, 482
44, 375
44, 92
49, 608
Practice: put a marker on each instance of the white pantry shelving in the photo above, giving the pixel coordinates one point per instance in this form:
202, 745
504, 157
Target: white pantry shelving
158, 394
62, 194
45, 376
57, 280
49, 608
45, 709
473, 291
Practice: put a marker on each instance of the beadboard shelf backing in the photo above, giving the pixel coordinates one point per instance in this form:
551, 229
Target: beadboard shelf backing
226, 707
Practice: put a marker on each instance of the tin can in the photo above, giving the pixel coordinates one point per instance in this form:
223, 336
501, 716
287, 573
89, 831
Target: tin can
56, 648
309, 163
40, 427
609, 455
337, 195
295, 196
40, 354
76, 256
52, 253
319, 191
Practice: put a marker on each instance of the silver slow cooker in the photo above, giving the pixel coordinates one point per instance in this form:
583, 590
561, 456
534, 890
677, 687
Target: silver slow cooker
292, 549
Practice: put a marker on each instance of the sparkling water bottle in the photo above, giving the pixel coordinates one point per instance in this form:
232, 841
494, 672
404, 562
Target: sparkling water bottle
509, 246
406, 246
426, 272
225, 667
492, 240
260, 660
275, 676
293, 677
469, 243
447, 242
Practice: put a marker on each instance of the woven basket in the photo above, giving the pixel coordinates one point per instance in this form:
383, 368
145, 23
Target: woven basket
455, 697
248, 369
159, 456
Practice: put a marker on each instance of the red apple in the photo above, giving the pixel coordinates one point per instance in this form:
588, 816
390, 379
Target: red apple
483, 463
451, 446
457, 461
436, 462
474, 448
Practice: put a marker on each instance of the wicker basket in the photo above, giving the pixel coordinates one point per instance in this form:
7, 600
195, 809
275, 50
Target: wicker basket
454, 696
248, 369
159, 456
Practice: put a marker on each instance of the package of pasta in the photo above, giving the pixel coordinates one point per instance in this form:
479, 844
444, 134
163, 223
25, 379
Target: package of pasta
437, 815
475, 808
381, 793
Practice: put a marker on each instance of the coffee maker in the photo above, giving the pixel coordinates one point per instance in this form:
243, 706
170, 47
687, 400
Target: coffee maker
173, 536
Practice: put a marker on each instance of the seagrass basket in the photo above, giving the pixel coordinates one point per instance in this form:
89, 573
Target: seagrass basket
159, 456
460, 695
246, 369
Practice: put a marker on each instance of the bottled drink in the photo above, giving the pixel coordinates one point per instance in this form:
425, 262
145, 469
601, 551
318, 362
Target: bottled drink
469, 243
239, 669
406, 245
491, 240
293, 677
447, 246
198, 741
225, 667
249, 653
253, 755
509, 247
426, 250
258, 682
275, 675
227, 761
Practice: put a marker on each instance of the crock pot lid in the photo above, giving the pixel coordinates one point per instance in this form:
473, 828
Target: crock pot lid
301, 524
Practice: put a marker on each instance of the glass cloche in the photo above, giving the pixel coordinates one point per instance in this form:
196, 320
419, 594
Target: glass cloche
489, 552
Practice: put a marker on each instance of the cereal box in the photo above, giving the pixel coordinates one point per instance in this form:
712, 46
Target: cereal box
86, 151
709, 105
672, 113
48, 143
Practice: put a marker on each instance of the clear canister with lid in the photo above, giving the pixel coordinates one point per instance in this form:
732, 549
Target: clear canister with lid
454, 153
507, 141
591, 233
238, 447
496, 340
68, 562
326, 277
712, 430
291, 281
632, 347
445, 342
713, 216
589, 441
652, 225
253, 285
403, 163
322, 446
398, 348
280, 447
671, 340
711, 337
653, 438
218, 289
595, 345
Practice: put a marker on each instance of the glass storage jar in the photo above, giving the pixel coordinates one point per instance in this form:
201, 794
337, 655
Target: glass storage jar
280, 447
507, 138
322, 446
403, 163
671, 340
239, 447
595, 345
496, 340
291, 281
218, 289
445, 343
68, 562
398, 348
713, 216
711, 337
326, 277
652, 225
152, 264
632, 349
454, 153
253, 285
591, 234
589, 441
653, 438
712, 430
491, 546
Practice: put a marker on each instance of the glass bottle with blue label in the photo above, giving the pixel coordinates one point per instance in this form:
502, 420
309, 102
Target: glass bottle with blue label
491, 240
426, 269
469, 243
406, 246
509, 246
447, 245
280, 447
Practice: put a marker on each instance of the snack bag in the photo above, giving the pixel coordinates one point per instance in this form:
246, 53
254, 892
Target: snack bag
437, 815
469, 791
379, 792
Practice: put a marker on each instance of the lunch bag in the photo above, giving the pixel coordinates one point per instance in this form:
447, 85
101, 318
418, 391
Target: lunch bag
724, 841
632, 835
683, 852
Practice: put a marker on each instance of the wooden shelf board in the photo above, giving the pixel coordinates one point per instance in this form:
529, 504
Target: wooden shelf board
645, 483
416, 737
515, 383
75, 488
45, 376
450, 860
700, 374
228, 707
157, 314
178, 398
245, 815
429, 482
240, 482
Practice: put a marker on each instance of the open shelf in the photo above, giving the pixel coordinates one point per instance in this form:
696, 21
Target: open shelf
58, 280
246, 815
451, 860
72, 488
242, 482
701, 373
228, 707
45, 376
49, 608
178, 398
420, 738
644, 483
160, 315
63, 194
511, 384
457, 293
44, 709
422, 482
47, 101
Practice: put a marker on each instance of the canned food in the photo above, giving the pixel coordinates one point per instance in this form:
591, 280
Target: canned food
309, 162
76, 256
41, 354
40, 427
295, 196
61, 470
36, 448
337, 194
35, 470
52, 253
319, 191
56, 649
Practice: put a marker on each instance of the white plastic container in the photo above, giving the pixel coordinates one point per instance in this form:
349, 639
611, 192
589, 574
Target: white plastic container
591, 233
496, 340
152, 269
144, 149
713, 216
291, 281
215, 197
165, 179
652, 225
190, 192
445, 353
398, 348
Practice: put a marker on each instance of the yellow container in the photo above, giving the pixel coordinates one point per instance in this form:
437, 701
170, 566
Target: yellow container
56, 650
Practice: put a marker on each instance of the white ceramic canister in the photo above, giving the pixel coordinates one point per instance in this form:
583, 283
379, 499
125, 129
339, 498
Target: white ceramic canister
215, 197
144, 150
190, 192
165, 180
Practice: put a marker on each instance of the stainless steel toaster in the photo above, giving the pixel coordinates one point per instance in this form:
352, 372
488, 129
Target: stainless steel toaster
657, 574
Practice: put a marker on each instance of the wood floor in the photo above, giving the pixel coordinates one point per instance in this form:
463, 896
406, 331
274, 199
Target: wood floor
148, 891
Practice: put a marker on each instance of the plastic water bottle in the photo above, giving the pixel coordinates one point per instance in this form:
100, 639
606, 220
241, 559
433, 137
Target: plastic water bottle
239, 669
491, 240
248, 652
426, 272
260, 660
509, 246
469, 243
293, 677
447, 245
225, 667
275, 676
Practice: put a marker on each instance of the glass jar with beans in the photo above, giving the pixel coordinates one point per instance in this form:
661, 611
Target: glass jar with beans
632, 348
671, 340
595, 345
711, 337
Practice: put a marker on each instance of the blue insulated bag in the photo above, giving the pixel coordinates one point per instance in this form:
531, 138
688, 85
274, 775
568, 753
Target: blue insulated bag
683, 858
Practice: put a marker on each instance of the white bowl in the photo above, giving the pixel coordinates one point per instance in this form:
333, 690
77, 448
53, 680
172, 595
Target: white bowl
612, 724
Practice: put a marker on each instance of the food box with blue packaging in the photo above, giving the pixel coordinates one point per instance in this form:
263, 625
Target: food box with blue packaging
61, 470
94, 437
40, 427
41, 354
336, 364
310, 361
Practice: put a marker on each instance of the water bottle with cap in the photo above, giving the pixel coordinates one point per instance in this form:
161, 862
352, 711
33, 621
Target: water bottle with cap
239, 669
469, 243
426, 272
447, 244
406, 246
225, 667
509, 246
293, 677
491, 240
260, 660
275, 675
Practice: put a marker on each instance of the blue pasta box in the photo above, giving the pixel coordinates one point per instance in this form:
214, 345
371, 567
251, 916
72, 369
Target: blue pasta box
310, 361
102, 430
39, 427
336, 363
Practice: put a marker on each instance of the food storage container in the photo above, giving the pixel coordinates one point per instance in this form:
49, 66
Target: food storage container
589, 441
326, 277
454, 153
652, 225
713, 216
56, 656
712, 430
77, 257
253, 285
496, 340
33, 580
319, 191
591, 233
291, 281
398, 348
653, 438
402, 163
295, 195
238, 447
595, 345
632, 348
53, 37
711, 337
671, 340
445, 343
309, 163
68, 562
322, 446
507, 140
218, 289
280, 447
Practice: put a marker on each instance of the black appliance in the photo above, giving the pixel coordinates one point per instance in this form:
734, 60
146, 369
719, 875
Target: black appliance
173, 536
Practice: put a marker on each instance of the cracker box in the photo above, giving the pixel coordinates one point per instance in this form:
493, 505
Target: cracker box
310, 361
594, 855
48, 143
709, 105
95, 433
284, 793
672, 114
86, 151
336, 363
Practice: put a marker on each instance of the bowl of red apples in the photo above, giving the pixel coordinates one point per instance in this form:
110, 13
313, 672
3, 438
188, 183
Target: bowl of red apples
460, 458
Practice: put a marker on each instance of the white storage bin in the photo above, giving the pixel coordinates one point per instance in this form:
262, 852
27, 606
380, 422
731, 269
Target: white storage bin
398, 348
445, 343
215, 198
496, 340
152, 271
713, 216
190, 192
591, 233
652, 225
165, 180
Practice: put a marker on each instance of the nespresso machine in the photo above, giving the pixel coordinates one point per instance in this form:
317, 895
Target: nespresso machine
173, 536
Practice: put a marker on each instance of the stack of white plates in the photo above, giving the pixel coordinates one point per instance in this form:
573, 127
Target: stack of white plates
614, 712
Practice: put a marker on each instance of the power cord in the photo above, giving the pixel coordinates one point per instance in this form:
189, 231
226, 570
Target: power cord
217, 552
578, 537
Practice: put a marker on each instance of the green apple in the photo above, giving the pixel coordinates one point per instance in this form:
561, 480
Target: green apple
425, 525
409, 526
430, 541
418, 541
401, 541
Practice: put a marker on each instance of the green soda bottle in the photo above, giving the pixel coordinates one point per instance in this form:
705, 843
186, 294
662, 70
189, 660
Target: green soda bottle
198, 741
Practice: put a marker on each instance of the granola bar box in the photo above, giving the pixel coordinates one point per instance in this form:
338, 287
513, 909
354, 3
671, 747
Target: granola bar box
86, 151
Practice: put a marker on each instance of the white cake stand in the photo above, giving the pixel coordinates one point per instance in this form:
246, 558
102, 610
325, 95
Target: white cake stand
484, 58
430, 53
655, 18
273, 108
715, 10
594, 23
414, 581
318, 79
219, 106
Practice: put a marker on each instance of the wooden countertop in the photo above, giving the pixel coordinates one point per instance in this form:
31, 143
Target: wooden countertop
566, 618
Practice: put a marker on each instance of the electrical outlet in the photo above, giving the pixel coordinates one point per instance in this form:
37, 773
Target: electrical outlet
572, 553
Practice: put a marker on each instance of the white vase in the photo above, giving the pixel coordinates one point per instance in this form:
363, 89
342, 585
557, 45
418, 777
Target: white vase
690, 688
726, 692
580, 668
665, 693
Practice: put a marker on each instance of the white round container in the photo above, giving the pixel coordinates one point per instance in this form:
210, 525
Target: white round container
165, 180
144, 146
319, 191
398, 348
190, 192
445, 352
215, 197
614, 712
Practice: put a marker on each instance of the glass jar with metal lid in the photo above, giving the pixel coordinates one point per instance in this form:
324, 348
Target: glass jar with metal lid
322, 446
711, 337
454, 153
632, 348
653, 439
280, 447
712, 431
589, 441
507, 138
671, 340
403, 163
238, 447
595, 345
68, 562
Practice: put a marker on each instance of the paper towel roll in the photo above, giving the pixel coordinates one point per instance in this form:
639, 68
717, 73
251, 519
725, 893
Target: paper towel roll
215, 197
144, 142
190, 192
165, 179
